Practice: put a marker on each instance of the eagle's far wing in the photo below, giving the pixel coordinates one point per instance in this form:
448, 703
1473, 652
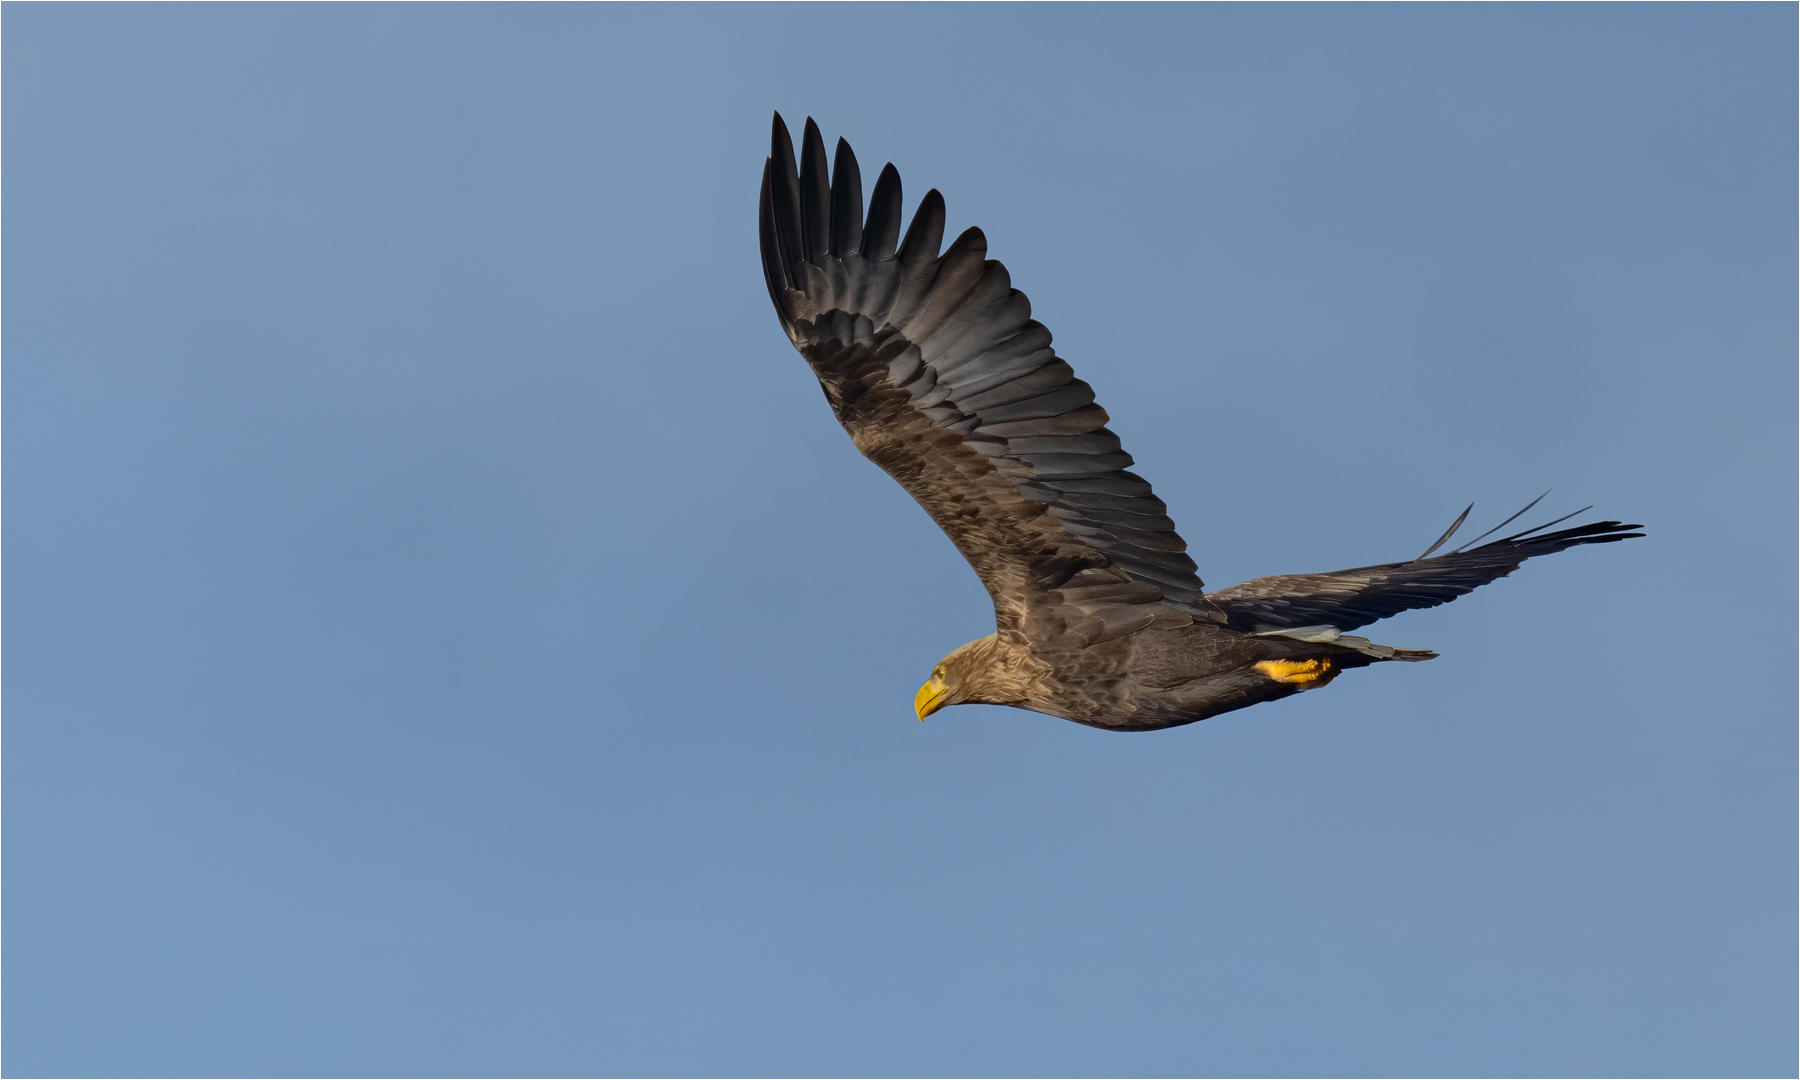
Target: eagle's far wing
1347, 599
935, 367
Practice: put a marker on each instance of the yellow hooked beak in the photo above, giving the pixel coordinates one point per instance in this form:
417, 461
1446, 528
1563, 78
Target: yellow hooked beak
930, 698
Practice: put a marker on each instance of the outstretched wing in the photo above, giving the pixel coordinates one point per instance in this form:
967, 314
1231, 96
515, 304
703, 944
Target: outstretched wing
935, 367
1347, 599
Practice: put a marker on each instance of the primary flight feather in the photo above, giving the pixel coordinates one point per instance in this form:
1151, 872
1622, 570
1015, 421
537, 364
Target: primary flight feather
933, 364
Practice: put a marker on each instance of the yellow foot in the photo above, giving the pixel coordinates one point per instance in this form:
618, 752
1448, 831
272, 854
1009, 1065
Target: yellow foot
1306, 674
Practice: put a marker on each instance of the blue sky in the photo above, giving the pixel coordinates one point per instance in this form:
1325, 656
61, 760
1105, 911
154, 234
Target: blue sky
449, 635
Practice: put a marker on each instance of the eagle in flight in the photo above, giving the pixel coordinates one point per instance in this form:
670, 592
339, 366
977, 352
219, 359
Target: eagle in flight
932, 362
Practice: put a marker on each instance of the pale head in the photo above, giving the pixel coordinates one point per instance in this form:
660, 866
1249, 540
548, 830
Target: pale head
986, 671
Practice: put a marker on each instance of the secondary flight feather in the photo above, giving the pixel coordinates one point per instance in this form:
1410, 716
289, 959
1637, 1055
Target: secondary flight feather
934, 366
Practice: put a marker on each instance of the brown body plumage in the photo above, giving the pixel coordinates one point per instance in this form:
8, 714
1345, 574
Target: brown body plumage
933, 365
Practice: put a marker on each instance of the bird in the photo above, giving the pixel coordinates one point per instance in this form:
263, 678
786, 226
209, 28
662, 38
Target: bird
934, 366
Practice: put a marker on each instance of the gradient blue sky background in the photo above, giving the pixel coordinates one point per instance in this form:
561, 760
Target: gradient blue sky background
449, 635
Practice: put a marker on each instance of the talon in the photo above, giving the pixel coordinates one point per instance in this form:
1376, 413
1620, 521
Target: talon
1306, 674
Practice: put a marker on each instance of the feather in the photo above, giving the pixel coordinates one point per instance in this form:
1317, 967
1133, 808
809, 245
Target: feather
1541, 528
1113, 520
846, 203
926, 232
1053, 403
1448, 533
1119, 483
1022, 355
1127, 504
1051, 466
785, 198
917, 260
1074, 422
1147, 540
992, 313
775, 272
1115, 622
959, 271
1097, 442
882, 230
1504, 524
1050, 375
815, 196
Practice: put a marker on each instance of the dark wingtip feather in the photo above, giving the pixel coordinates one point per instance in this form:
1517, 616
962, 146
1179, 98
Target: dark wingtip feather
846, 202
881, 232
971, 239
926, 232
1541, 528
775, 272
815, 195
1597, 532
1581, 532
784, 199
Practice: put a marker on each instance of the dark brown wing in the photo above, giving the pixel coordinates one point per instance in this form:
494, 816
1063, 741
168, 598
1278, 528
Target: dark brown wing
1347, 599
935, 367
